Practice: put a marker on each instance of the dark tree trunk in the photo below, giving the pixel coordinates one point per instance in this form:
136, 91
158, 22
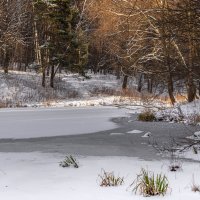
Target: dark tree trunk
150, 85
60, 70
6, 63
43, 78
26, 64
48, 71
171, 89
139, 88
52, 76
191, 88
118, 74
199, 88
125, 82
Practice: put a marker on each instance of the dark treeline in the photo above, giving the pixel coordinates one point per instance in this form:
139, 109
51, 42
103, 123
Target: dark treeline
156, 41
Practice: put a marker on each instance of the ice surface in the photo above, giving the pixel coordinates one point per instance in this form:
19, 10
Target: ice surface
33, 123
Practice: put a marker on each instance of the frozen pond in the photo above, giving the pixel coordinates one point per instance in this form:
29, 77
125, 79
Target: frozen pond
40, 122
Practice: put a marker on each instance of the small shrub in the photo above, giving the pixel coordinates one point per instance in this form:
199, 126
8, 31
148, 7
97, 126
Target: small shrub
3, 105
69, 161
194, 119
147, 116
175, 167
108, 179
102, 90
195, 150
150, 185
195, 188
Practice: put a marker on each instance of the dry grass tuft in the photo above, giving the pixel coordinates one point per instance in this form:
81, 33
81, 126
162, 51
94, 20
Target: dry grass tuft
108, 179
150, 185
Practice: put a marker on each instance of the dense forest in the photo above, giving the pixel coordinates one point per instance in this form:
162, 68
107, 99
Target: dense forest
157, 41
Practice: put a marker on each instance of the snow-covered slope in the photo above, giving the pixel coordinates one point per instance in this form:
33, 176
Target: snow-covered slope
24, 89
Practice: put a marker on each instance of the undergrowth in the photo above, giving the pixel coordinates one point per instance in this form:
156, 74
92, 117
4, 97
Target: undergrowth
147, 116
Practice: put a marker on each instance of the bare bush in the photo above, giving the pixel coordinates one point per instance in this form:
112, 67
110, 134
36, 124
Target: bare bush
147, 116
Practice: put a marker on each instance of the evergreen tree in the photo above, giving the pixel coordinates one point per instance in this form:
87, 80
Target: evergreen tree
67, 48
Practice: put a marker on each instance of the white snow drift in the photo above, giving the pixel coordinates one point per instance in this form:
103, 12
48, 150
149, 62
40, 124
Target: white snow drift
36, 176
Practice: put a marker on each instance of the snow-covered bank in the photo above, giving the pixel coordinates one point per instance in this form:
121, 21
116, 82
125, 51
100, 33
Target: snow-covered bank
23, 89
31, 176
188, 113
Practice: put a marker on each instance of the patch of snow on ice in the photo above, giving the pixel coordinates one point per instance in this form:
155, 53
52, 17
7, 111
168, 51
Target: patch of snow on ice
116, 134
146, 135
135, 132
197, 134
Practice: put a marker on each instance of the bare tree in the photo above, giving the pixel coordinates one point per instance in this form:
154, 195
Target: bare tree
12, 20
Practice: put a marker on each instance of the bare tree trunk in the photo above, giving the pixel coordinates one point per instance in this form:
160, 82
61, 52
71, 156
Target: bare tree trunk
52, 76
43, 78
26, 59
139, 88
199, 88
125, 82
38, 56
117, 73
191, 88
48, 71
150, 85
45, 67
6, 62
170, 88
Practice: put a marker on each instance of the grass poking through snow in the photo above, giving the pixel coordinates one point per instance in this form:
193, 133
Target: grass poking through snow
150, 185
69, 161
108, 179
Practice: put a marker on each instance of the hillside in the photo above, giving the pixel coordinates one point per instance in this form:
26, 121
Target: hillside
21, 89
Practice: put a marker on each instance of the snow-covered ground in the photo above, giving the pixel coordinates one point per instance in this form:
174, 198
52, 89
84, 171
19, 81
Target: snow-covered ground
19, 89
36, 176
23, 89
188, 113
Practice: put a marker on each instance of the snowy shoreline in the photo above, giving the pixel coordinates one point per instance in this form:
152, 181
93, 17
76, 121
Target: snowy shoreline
30, 176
